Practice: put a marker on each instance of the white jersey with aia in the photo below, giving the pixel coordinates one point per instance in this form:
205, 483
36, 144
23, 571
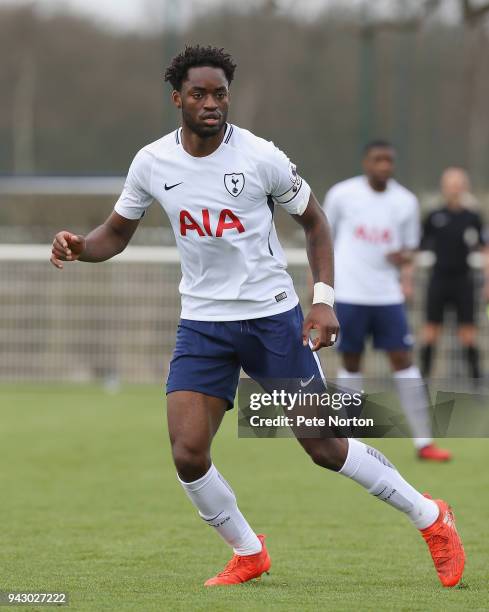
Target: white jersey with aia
221, 211
367, 225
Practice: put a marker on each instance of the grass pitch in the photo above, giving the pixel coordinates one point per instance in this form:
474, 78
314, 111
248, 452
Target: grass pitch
89, 504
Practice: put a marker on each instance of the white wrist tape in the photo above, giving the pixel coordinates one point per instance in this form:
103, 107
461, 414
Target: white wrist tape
323, 294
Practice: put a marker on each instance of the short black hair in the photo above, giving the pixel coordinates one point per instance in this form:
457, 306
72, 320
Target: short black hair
194, 56
378, 143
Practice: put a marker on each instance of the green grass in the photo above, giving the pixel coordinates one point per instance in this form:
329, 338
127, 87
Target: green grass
89, 504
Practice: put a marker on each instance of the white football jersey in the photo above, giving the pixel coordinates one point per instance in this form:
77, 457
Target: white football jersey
367, 225
221, 211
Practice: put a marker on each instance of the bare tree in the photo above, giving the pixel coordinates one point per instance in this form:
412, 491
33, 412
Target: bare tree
473, 14
475, 85
308, 84
23, 116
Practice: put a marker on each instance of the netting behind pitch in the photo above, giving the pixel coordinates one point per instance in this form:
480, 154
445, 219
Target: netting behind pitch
117, 320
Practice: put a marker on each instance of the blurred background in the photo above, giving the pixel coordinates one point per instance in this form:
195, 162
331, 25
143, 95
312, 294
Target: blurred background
81, 90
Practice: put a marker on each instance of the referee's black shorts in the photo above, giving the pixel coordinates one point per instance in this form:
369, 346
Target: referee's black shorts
445, 291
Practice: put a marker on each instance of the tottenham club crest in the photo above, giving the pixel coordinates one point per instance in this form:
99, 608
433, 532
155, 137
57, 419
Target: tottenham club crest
234, 183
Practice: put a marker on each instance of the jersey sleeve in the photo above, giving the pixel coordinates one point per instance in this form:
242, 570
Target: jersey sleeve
284, 184
136, 196
410, 229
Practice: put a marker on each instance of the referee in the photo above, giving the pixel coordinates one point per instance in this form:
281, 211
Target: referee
452, 232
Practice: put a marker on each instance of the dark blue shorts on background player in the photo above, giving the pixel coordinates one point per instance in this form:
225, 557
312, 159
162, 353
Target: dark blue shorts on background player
387, 325
208, 355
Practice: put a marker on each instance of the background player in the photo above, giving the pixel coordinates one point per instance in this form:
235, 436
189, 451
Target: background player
452, 232
219, 184
376, 228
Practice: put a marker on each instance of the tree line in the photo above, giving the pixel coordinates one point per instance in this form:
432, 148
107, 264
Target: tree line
79, 99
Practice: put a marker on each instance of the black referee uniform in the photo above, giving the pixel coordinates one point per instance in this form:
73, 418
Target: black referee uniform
452, 235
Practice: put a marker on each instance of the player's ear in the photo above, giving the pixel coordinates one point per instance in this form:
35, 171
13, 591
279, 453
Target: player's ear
177, 98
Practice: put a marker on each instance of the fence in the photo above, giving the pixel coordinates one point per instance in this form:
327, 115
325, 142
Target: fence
117, 320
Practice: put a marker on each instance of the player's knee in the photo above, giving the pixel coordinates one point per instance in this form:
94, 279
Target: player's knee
431, 333
330, 453
191, 463
400, 360
352, 362
467, 335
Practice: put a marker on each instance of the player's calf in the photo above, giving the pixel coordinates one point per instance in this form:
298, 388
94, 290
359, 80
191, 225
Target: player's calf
329, 453
217, 506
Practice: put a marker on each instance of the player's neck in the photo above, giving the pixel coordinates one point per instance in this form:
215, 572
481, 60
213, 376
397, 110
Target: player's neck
197, 146
377, 185
454, 206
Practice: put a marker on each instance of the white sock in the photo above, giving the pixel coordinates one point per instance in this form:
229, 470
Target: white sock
352, 380
414, 402
372, 470
216, 503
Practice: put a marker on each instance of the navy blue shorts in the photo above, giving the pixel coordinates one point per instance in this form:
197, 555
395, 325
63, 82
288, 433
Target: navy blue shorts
387, 325
208, 355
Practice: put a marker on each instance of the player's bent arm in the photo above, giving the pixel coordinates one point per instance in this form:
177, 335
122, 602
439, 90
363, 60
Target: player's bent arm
319, 245
407, 280
109, 239
484, 250
404, 257
100, 244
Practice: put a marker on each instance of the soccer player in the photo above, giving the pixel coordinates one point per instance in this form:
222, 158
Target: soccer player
219, 185
376, 229
452, 232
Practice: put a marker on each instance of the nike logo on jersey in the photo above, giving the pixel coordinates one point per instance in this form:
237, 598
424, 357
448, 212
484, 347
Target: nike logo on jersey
305, 383
168, 187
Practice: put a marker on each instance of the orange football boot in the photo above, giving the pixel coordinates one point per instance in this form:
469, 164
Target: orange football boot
432, 452
445, 545
242, 568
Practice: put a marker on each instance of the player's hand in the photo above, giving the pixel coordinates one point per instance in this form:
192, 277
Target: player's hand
407, 282
407, 289
321, 317
399, 258
66, 247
